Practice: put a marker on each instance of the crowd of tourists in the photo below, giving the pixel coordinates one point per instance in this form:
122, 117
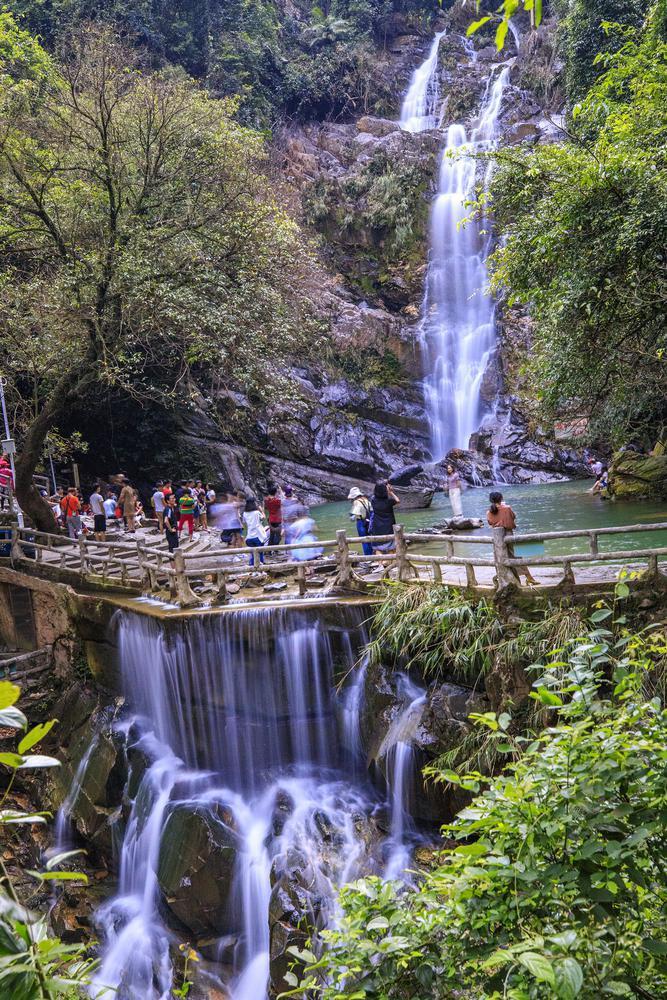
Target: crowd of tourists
179, 510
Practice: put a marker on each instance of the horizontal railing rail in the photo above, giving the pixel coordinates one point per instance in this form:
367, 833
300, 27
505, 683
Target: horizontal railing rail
145, 565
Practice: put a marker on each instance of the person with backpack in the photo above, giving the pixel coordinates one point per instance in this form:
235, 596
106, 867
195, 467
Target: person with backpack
186, 509
360, 512
70, 506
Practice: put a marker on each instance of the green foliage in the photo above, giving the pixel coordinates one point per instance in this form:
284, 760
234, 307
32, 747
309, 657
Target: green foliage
303, 58
584, 36
139, 239
585, 231
442, 634
557, 885
34, 965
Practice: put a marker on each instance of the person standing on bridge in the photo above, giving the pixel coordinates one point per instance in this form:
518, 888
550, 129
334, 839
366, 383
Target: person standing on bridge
360, 513
70, 506
127, 501
501, 515
273, 507
255, 530
158, 504
99, 516
170, 521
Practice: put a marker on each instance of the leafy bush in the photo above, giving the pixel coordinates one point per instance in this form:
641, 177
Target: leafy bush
584, 234
557, 885
34, 965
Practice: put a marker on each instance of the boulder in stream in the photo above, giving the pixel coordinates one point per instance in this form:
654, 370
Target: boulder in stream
196, 866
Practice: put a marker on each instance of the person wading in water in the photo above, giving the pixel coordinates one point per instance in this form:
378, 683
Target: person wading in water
501, 515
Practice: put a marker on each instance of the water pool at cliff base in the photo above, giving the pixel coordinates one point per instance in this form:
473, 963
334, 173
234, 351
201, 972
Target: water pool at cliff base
550, 507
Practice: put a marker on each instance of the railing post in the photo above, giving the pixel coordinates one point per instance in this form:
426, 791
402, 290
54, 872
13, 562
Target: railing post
16, 552
471, 579
221, 582
405, 570
652, 572
82, 555
255, 558
505, 575
144, 570
184, 593
301, 579
344, 576
593, 543
449, 548
437, 572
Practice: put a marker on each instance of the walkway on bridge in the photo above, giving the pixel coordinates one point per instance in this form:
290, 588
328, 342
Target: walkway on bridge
203, 571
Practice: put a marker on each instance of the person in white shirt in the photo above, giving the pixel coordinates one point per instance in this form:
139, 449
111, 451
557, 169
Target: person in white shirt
99, 515
255, 531
110, 506
157, 503
596, 467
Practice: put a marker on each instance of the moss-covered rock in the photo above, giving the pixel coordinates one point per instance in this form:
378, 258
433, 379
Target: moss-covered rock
639, 476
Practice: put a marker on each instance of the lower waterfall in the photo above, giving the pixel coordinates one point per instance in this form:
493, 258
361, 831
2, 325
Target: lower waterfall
237, 727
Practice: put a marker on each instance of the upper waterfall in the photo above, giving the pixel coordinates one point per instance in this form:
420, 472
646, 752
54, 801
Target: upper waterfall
420, 104
458, 322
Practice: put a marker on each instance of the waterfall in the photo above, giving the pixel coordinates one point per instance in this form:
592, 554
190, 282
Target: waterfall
401, 772
458, 325
62, 827
419, 111
236, 719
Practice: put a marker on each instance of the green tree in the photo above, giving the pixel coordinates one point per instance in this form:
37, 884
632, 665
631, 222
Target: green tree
584, 233
139, 241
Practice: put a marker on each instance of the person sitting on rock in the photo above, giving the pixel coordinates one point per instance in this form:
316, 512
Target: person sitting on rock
501, 515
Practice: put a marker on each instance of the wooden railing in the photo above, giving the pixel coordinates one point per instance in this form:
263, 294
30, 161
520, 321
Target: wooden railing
140, 566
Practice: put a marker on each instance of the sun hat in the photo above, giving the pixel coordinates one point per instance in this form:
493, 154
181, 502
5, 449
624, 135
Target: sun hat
354, 493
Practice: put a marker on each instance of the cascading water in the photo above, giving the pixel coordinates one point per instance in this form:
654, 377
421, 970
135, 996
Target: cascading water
458, 324
398, 747
419, 111
237, 719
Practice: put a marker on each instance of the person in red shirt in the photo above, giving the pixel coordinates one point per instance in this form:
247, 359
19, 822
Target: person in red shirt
273, 508
6, 482
70, 505
501, 515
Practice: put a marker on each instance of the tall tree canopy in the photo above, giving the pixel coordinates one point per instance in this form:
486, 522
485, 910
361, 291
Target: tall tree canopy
138, 236
585, 232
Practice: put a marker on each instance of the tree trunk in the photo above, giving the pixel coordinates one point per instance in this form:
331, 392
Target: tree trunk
27, 494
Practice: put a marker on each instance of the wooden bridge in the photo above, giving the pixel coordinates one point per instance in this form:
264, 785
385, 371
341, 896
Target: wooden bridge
206, 573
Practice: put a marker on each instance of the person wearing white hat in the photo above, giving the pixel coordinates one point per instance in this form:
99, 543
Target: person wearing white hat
360, 512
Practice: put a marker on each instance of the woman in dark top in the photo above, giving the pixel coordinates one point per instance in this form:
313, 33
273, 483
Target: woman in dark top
382, 522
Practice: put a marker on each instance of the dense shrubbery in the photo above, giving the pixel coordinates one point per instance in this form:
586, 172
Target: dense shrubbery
583, 36
554, 882
585, 232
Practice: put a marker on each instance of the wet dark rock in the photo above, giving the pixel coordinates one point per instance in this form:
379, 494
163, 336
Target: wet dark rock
298, 899
443, 726
196, 866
